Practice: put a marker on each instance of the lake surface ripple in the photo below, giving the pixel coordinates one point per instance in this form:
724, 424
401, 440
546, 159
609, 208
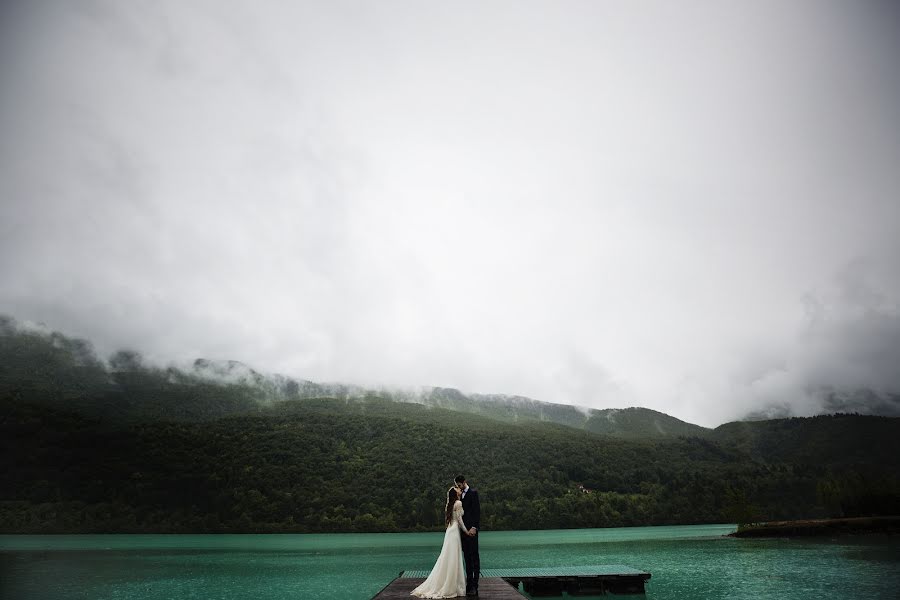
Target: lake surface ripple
687, 562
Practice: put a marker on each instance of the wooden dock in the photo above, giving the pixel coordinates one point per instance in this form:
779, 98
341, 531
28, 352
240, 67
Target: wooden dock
503, 584
489, 588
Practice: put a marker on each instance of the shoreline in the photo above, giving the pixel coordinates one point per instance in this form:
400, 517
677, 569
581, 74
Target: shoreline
821, 527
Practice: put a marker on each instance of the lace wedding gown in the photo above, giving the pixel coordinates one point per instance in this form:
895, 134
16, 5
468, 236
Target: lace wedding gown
447, 578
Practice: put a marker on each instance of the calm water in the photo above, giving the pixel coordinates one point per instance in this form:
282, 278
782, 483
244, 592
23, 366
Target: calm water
686, 562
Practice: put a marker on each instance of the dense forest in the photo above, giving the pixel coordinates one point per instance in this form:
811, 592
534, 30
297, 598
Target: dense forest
118, 446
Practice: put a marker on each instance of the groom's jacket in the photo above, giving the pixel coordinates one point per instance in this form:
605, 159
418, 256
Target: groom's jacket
471, 509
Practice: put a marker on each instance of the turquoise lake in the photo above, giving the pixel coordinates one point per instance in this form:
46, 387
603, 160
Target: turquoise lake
686, 562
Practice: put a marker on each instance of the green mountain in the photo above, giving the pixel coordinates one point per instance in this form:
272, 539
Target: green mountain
119, 446
625, 423
53, 367
839, 439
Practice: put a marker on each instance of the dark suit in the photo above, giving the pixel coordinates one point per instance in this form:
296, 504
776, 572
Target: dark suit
471, 518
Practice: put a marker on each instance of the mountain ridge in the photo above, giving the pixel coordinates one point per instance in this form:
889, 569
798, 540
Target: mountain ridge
62, 358
52, 364
90, 447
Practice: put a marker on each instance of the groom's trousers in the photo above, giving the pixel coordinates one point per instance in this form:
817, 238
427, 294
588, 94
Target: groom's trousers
473, 562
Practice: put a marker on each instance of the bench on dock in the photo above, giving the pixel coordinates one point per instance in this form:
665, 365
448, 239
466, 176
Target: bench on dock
503, 584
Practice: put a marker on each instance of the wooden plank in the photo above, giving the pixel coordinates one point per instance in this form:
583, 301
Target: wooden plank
489, 588
548, 581
574, 571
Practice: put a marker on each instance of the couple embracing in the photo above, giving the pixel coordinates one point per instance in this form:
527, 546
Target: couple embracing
462, 518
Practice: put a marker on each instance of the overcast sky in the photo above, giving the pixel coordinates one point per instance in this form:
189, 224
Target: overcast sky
687, 206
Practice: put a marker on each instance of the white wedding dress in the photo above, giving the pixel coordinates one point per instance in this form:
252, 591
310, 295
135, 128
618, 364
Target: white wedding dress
448, 577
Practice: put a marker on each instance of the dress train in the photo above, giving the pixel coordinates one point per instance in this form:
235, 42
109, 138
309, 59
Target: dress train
448, 577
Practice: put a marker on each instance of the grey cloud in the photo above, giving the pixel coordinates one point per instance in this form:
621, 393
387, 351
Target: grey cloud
519, 198
846, 357
584, 382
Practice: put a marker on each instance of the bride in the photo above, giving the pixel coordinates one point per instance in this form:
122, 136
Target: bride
447, 578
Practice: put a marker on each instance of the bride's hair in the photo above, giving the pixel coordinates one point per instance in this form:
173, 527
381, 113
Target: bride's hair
452, 495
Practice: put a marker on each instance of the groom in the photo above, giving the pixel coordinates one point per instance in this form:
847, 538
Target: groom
472, 520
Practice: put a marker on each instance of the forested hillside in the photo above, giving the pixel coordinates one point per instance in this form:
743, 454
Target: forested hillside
50, 367
330, 465
625, 423
87, 447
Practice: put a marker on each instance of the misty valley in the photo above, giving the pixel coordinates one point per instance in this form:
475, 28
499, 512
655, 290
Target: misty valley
91, 446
